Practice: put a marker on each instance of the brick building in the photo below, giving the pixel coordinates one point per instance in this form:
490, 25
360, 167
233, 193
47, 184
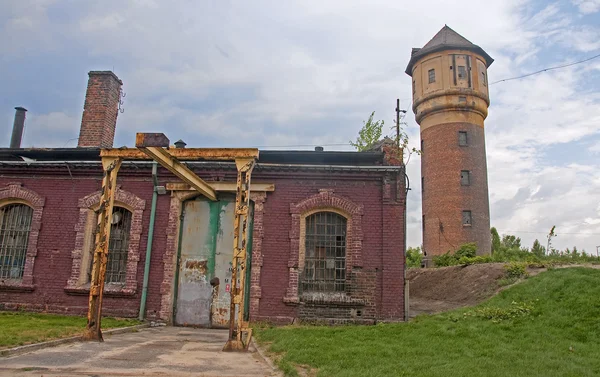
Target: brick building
327, 232
450, 102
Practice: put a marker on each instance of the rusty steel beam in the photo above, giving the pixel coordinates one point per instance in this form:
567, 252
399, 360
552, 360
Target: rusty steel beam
111, 167
172, 164
238, 327
221, 186
186, 154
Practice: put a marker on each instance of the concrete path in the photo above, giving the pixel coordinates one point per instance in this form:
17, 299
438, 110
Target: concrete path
165, 351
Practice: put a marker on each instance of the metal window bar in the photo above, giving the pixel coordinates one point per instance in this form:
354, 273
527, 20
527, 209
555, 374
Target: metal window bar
118, 246
15, 224
325, 253
431, 76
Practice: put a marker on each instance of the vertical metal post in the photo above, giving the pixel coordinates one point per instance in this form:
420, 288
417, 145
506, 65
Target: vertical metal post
236, 342
111, 167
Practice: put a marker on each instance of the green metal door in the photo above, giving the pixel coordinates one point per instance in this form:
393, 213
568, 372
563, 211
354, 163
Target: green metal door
205, 256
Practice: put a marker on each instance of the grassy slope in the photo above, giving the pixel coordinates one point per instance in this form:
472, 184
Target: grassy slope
24, 328
566, 314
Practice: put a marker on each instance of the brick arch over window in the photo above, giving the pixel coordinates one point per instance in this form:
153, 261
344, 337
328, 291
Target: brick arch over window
84, 244
325, 201
15, 193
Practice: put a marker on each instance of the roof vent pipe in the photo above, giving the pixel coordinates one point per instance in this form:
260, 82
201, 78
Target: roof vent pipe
18, 126
318, 149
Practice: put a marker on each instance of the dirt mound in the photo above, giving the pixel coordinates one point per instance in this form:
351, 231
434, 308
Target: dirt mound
433, 290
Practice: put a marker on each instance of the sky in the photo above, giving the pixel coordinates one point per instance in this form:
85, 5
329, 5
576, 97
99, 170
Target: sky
298, 73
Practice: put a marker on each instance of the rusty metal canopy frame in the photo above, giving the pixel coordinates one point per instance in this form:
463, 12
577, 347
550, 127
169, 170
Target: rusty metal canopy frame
156, 146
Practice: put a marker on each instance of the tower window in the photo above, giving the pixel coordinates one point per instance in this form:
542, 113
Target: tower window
422, 184
466, 218
414, 87
431, 75
423, 224
462, 138
465, 178
422, 146
483, 78
462, 72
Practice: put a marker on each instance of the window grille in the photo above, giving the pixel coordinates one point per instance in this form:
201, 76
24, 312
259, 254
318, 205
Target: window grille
325, 253
15, 224
431, 76
462, 72
484, 78
462, 138
465, 178
118, 246
466, 218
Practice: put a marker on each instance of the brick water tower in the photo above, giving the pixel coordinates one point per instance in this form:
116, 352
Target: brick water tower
450, 102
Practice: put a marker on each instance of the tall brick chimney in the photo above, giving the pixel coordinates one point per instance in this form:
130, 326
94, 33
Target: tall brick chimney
100, 110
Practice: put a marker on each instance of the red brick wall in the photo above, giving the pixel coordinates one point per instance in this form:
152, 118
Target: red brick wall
56, 242
444, 198
379, 281
100, 110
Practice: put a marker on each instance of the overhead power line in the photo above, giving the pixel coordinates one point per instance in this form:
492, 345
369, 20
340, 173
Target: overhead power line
542, 232
547, 69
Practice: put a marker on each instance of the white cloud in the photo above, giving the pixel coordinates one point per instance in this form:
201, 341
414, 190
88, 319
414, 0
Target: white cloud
587, 6
309, 72
53, 130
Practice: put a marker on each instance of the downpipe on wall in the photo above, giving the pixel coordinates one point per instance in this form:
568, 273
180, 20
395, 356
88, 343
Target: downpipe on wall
406, 284
149, 242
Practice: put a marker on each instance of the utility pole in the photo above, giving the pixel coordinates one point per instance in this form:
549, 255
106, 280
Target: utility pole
398, 111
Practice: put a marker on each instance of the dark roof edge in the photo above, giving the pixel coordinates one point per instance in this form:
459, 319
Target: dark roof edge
218, 165
269, 156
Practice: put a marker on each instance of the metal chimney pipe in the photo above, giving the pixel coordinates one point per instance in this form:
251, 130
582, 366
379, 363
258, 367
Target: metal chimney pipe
18, 125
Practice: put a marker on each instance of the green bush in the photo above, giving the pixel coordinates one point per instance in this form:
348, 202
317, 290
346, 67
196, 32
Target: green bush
464, 255
444, 260
515, 270
414, 257
498, 314
468, 250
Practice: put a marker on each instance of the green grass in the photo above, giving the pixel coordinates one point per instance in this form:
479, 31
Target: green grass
19, 328
549, 325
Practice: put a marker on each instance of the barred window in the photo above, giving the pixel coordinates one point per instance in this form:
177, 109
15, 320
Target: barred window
465, 178
118, 246
431, 74
466, 218
325, 253
15, 224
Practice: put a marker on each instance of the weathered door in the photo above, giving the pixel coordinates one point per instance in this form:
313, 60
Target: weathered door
194, 291
205, 256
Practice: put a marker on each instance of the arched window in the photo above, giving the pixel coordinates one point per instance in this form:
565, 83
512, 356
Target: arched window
118, 246
15, 225
325, 253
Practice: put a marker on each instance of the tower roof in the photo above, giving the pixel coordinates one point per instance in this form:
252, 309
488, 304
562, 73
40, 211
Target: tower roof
446, 39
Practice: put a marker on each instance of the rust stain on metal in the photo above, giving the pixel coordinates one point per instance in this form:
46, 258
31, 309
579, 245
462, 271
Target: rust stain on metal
143, 140
189, 154
221, 186
199, 265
